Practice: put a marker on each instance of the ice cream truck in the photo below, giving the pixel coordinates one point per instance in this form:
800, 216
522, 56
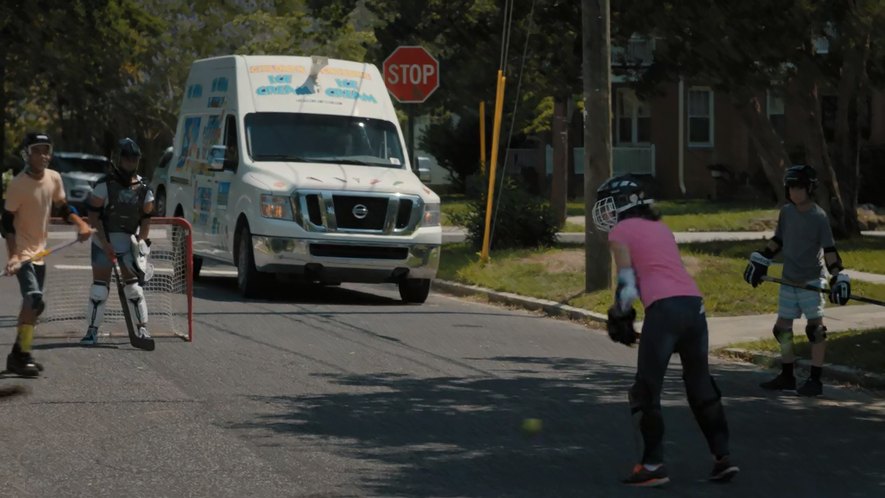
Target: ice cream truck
296, 167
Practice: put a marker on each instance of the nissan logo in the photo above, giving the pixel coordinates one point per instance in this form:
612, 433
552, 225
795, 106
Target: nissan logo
360, 211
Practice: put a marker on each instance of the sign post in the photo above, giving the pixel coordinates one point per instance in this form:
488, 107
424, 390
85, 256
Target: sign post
411, 75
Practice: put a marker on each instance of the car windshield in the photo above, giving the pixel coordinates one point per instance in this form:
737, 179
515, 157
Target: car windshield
79, 165
320, 138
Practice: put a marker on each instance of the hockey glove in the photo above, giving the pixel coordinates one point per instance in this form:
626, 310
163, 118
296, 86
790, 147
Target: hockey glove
840, 289
620, 325
756, 269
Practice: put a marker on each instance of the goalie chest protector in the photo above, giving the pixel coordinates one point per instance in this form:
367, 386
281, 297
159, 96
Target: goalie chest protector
125, 208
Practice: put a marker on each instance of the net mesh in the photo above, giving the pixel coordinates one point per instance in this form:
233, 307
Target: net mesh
168, 294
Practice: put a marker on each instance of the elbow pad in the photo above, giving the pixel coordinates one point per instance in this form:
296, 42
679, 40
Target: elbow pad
770, 254
836, 266
66, 210
7, 227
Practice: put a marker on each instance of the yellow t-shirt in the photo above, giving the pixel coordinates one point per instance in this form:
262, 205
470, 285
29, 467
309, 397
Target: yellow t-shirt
31, 201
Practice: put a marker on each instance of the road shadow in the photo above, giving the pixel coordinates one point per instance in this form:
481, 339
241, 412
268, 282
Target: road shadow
461, 436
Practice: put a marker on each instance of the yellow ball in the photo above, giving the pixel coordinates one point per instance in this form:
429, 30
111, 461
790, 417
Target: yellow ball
532, 426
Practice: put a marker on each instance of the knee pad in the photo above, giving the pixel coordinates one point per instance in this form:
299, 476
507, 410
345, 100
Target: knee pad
37, 303
135, 300
640, 396
98, 296
783, 336
816, 333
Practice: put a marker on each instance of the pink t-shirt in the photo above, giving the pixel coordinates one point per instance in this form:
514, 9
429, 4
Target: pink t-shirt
656, 261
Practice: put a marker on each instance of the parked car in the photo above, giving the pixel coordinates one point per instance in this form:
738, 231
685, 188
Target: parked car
158, 182
80, 173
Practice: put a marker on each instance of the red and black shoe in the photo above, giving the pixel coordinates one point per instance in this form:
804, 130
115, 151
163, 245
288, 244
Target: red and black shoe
644, 478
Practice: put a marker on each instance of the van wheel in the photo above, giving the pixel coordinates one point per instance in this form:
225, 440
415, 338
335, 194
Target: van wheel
198, 265
249, 279
414, 290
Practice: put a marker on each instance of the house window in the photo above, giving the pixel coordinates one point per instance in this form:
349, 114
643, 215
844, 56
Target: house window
633, 117
700, 117
775, 106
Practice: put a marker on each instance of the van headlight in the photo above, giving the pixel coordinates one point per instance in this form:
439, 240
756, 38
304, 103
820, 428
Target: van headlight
276, 206
431, 215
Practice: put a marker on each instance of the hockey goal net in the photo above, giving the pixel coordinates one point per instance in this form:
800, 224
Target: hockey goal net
169, 294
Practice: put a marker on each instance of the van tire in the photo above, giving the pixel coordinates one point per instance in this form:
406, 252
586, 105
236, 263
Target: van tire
250, 281
414, 290
198, 265
160, 202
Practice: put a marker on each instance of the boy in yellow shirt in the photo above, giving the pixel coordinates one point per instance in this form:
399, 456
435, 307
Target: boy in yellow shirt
25, 226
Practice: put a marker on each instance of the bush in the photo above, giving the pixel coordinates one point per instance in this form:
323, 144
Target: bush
522, 220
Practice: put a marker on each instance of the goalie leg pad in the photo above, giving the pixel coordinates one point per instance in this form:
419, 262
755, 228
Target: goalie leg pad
648, 421
710, 416
135, 300
98, 296
816, 333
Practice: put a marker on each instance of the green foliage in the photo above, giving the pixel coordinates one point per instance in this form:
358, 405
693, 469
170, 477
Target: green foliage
455, 145
521, 220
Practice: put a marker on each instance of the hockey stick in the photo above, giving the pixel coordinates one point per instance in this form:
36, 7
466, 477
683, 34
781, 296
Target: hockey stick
41, 255
799, 285
135, 340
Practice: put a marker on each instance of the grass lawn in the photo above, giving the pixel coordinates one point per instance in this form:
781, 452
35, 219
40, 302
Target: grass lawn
557, 274
457, 205
697, 215
860, 349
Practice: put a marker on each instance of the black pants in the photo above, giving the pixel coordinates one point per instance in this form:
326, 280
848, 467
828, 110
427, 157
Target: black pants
676, 325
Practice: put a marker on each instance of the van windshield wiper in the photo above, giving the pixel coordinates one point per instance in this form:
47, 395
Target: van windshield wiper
358, 162
279, 157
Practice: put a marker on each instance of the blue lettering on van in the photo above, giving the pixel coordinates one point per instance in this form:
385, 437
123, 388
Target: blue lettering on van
275, 79
342, 83
283, 90
350, 94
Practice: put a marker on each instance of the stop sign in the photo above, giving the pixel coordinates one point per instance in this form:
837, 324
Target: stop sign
411, 74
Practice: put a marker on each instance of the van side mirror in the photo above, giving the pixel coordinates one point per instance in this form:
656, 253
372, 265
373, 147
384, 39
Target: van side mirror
424, 175
216, 157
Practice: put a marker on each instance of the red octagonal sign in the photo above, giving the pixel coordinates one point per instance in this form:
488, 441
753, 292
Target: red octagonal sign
411, 74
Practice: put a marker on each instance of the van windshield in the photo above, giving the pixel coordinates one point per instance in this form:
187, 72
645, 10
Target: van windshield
322, 138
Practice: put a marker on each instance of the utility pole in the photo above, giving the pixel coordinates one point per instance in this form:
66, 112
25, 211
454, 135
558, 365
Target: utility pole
596, 41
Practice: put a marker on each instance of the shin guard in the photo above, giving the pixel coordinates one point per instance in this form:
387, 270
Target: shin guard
710, 416
647, 421
135, 301
98, 297
785, 340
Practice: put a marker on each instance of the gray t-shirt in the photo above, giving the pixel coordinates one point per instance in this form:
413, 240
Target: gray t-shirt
804, 235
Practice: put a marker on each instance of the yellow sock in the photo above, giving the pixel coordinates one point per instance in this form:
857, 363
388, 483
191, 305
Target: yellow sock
25, 337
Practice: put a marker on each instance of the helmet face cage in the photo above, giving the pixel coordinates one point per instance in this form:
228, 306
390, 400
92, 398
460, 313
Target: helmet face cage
605, 213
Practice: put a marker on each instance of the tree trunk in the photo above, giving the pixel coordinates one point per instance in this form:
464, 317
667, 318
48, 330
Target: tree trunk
559, 182
768, 145
817, 154
847, 140
596, 44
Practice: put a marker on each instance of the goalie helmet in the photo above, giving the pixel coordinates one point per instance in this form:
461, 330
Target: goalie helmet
615, 198
800, 175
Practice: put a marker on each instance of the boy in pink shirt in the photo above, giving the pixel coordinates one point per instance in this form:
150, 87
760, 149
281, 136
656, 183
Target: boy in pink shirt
651, 270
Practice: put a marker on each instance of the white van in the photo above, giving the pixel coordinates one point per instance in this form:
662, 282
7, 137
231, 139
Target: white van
297, 166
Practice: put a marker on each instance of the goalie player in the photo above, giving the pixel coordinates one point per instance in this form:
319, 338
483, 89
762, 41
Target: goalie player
120, 209
651, 269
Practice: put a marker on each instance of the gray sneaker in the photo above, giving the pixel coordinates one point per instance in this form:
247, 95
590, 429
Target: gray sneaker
91, 337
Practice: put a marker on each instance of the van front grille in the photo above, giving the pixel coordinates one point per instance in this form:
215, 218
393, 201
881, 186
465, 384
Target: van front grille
358, 212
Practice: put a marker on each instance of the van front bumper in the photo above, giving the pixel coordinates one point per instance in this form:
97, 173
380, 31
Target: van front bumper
345, 261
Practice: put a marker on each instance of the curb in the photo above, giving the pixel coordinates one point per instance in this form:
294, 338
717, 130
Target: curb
553, 308
839, 372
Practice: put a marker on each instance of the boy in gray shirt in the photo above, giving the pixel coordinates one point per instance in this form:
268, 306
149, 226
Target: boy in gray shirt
803, 233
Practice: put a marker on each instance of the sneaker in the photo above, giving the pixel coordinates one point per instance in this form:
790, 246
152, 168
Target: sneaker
91, 337
811, 387
642, 477
723, 470
22, 364
143, 333
780, 383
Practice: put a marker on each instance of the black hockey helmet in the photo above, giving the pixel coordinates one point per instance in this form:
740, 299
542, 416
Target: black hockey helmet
128, 148
800, 175
34, 138
616, 197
